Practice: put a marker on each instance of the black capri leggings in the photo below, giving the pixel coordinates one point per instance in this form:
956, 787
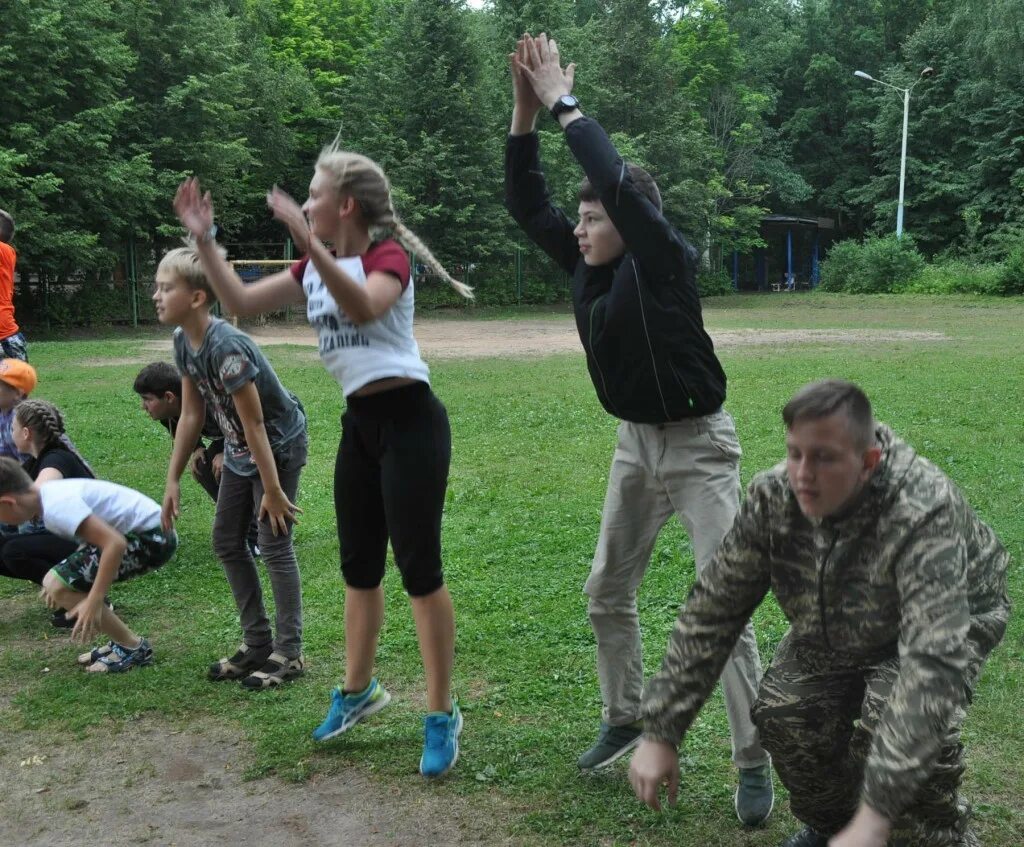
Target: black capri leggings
390, 479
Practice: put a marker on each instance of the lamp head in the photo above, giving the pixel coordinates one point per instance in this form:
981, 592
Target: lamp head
927, 72
863, 75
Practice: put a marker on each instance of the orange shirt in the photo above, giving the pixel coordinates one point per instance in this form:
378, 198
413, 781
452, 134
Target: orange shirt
8, 259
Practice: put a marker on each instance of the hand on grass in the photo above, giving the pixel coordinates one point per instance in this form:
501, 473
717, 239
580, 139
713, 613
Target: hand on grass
193, 208
171, 507
279, 510
654, 764
288, 212
86, 615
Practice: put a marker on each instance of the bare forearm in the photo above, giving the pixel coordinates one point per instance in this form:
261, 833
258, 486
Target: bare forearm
227, 285
351, 297
522, 122
110, 561
262, 455
185, 437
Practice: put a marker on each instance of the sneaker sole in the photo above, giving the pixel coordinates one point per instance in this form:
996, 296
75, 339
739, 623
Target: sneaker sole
372, 709
736, 806
455, 758
618, 754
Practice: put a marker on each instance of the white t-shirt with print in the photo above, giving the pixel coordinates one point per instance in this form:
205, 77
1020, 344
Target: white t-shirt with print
68, 502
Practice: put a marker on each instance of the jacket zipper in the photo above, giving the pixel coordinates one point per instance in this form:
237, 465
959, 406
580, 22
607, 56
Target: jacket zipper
593, 355
647, 335
821, 592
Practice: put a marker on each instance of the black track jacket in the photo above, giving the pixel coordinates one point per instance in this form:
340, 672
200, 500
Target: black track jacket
639, 317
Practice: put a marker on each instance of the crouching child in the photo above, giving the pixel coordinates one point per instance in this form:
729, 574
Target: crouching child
120, 534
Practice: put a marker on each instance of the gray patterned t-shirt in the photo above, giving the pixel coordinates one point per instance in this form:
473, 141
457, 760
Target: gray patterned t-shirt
225, 362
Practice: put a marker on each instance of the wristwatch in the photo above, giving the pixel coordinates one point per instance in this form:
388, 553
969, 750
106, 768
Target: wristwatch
209, 235
565, 103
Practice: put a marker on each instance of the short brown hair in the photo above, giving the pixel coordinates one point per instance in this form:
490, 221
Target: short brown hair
184, 262
829, 397
643, 181
13, 479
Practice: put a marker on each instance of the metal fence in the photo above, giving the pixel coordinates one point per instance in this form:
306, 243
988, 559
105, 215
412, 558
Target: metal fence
46, 301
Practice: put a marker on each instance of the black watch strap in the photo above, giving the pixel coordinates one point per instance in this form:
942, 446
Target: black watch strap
565, 103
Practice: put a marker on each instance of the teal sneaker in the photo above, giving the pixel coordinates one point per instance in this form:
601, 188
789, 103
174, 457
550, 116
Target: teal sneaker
348, 709
441, 732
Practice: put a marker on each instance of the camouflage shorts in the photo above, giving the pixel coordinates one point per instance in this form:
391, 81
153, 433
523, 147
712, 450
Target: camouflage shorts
15, 347
146, 551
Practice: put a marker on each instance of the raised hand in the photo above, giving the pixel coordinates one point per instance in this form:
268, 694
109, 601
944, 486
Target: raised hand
524, 100
543, 69
193, 208
288, 212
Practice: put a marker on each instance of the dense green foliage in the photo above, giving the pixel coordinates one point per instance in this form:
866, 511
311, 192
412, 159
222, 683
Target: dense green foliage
737, 106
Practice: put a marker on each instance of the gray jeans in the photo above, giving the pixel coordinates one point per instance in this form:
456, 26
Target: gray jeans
689, 468
238, 498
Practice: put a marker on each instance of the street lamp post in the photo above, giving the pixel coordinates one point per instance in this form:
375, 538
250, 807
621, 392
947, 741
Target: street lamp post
927, 72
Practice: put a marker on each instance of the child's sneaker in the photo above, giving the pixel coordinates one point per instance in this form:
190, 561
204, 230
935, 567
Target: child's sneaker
277, 669
121, 659
348, 709
441, 732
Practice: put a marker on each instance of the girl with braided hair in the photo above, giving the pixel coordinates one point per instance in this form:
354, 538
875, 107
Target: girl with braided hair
391, 470
38, 432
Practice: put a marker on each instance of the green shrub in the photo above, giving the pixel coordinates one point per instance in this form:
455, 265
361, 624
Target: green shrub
876, 266
714, 283
955, 277
1011, 280
843, 264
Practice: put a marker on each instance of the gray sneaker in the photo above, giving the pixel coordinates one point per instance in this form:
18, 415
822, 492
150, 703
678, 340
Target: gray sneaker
755, 795
612, 742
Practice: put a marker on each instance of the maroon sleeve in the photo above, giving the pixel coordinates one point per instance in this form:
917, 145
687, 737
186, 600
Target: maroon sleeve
389, 257
299, 268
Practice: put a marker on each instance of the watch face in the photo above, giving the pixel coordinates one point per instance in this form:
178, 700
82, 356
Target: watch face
569, 101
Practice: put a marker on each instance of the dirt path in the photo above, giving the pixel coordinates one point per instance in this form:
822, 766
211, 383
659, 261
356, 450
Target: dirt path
152, 786
445, 338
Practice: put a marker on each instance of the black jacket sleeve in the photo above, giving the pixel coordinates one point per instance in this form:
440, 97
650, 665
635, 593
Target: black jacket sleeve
528, 201
663, 253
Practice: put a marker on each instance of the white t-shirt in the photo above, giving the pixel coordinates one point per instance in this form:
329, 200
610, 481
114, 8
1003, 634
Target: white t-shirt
68, 502
385, 347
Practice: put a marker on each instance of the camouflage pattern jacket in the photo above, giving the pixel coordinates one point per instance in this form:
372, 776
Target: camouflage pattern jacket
909, 571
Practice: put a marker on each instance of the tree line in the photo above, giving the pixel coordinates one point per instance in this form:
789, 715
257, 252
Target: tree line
739, 107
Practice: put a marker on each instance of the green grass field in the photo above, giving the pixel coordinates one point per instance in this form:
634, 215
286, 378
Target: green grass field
531, 453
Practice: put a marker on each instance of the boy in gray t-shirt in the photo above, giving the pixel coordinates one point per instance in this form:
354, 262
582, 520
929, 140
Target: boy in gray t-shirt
264, 430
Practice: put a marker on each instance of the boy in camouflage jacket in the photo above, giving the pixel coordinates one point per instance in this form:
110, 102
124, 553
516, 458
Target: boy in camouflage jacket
895, 592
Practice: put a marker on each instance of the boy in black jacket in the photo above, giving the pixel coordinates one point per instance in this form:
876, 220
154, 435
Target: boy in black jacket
654, 367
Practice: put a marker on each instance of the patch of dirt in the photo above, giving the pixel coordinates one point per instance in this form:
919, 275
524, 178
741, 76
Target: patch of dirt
467, 339
151, 785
